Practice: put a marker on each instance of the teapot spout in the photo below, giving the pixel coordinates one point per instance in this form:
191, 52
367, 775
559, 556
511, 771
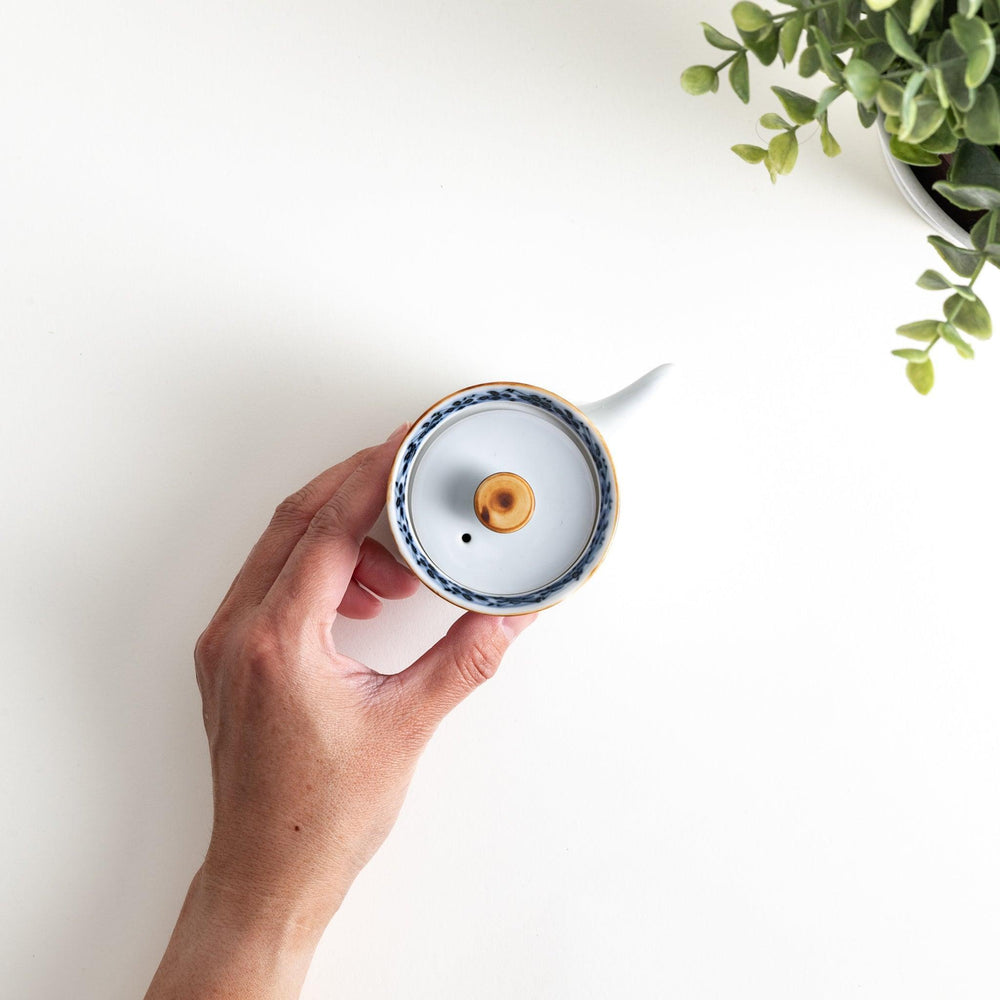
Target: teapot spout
616, 410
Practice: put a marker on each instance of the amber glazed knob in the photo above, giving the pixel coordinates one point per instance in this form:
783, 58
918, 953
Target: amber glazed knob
504, 502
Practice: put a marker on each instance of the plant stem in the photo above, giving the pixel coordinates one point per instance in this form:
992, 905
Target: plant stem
725, 62
949, 316
927, 67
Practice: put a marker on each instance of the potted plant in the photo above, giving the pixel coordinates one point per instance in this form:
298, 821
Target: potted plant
923, 69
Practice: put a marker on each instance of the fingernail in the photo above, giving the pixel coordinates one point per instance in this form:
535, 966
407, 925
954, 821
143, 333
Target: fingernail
516, 624
398, 432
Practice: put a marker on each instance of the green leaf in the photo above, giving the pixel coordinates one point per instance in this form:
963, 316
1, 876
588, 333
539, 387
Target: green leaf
921, 116
831, 64
981, 61
772, 172
972, 317
739, 78
862, 80
783, 150
749, 16
719, 40
867, 116
827, 20
942, 141
774, 121
959, 259
968, 8
830, 145
913, 85
975, 164
889, 97
789, 35
911, 107
970, 196
940, 88
763, 44
981, 231
950, 334
933, 281
912, 354
975, 38
800, 109
700, 79
913, 155
926, 118
829, 95
880, 4
982, 121
839, 17
919, 14
752, 154
952, 65
934, 48
923, 329
880, 56
809, 62
899, 43
921, 375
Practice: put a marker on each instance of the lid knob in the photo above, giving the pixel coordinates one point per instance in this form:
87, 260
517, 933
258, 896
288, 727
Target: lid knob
504, 502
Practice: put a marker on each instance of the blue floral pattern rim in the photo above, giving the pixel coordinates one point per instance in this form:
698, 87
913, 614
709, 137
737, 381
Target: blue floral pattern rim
607, 507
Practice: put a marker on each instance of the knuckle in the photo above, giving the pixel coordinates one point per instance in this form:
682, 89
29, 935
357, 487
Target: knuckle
367, 455
261, 648
330, 520
295, 508
477, 663
208, 647
210, 653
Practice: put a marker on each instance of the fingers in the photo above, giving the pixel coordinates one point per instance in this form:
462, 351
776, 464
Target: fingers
376, 575
288, 525
380, 572
453, 668
314, 578
358, 603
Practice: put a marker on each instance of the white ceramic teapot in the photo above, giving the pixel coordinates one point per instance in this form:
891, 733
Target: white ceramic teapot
503, 497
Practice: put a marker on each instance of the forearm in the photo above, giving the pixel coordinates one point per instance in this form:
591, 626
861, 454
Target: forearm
224, 947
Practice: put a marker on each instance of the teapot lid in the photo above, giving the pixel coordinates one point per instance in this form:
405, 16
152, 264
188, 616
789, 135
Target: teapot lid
503, 498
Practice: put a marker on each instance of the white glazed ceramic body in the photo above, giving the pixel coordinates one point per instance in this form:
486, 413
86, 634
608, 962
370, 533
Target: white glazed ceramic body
535, 434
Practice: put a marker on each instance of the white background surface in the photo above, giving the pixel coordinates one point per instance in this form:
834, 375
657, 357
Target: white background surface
756, 756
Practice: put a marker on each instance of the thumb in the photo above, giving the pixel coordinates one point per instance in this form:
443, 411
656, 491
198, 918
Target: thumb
454, 667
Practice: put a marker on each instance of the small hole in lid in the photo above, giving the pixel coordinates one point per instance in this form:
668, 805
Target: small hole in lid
467, 538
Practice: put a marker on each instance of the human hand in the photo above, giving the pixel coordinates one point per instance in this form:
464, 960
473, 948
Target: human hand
312, 752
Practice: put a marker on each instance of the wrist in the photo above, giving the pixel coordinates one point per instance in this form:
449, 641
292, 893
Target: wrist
245, 912
247, 887
227, 944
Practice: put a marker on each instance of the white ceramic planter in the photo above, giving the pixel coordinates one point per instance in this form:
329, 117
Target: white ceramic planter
917, 198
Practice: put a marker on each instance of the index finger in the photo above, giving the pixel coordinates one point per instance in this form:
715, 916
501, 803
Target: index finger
315, 576
290, 521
